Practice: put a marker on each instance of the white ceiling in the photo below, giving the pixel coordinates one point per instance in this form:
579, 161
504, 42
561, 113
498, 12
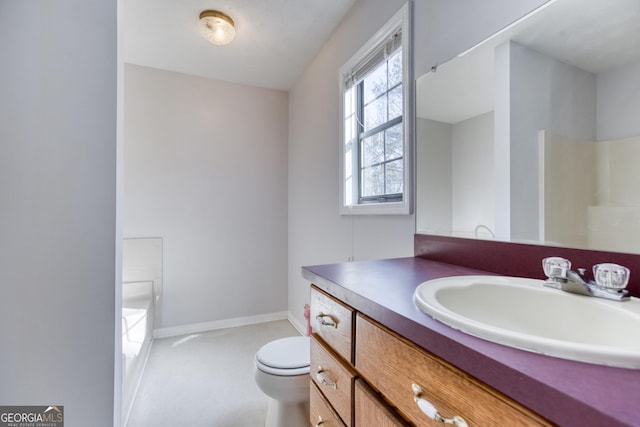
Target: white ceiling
594, 35
275, 39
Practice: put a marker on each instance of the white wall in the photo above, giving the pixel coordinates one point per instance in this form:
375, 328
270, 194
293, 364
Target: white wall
455, 177
502, 149
317, 233
206, 170
58, 217
545, 94
434, 177
619, 103
472, 179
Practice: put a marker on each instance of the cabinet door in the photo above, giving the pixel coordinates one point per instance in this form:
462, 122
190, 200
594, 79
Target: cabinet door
370, 410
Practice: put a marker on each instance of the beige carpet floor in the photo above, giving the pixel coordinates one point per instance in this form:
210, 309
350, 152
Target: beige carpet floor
205, 379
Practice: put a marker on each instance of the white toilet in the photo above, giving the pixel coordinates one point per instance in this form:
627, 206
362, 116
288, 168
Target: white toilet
282, 373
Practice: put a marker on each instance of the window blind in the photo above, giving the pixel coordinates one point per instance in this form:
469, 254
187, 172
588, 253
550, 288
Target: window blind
377, 55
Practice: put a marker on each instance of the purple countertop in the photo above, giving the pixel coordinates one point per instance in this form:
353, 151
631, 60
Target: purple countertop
565, 392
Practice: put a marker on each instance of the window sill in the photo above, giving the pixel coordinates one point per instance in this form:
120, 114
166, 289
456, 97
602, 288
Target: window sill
397, 208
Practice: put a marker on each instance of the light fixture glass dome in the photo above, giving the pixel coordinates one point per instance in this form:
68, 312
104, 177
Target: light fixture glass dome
216, 27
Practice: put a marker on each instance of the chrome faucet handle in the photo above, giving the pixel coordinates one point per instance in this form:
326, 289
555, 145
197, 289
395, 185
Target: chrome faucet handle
612, 277
556, 267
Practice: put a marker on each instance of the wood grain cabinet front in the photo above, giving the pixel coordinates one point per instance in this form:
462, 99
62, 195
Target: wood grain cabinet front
370, 410
418, 384
321, 414
333, 377
331, 366
333, 321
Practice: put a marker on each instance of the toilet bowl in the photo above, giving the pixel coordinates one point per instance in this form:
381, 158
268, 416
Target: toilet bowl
281, 371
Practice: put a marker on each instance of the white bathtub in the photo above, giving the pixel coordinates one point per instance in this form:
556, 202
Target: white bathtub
137, 335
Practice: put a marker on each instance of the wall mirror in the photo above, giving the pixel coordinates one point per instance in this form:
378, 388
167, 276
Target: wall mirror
534, 134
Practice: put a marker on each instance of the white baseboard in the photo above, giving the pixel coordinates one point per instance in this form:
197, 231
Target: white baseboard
222, 324
129, 405
299, 326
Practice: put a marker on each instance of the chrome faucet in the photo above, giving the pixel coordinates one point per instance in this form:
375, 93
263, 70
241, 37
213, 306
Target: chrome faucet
610, 279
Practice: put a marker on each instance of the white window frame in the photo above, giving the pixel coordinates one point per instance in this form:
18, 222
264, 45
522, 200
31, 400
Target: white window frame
402, 19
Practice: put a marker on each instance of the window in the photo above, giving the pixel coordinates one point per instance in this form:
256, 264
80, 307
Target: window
376, 122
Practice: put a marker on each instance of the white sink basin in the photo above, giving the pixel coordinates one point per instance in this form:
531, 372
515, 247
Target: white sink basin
523, 313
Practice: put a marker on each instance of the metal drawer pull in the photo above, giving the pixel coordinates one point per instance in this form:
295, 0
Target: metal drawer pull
430, 411
324, 379
326, 320
320, 421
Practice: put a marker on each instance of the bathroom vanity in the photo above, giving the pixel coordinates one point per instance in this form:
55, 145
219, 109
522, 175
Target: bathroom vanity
376, 356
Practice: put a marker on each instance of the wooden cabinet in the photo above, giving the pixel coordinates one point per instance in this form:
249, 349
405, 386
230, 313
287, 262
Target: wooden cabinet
369, 410
406, 375
366, 375
322, 415
331, 369
333, 377
332, 320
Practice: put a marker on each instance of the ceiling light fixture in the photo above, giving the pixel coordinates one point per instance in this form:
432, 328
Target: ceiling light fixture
216, 27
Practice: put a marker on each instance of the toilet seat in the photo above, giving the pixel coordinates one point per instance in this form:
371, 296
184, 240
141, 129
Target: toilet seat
285, 356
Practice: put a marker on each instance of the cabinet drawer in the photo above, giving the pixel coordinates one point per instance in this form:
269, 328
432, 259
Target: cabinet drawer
321, 414
333, 378
333, 321
370, 410
392, 365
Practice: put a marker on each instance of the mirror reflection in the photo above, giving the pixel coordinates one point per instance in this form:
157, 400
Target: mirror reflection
534, 135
